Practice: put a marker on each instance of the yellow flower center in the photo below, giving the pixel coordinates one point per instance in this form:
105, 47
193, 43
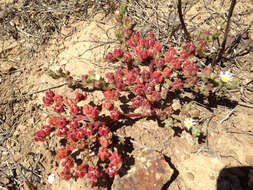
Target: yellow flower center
188, 124
225, 78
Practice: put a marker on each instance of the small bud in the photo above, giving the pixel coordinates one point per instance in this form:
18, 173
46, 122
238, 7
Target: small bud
50, 179
97, 77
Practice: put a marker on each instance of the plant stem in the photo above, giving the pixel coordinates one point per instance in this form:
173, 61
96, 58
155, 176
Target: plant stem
133, 114
179, 8
223, 45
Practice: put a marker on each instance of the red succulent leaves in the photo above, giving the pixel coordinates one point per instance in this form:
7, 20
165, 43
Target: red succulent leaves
114, 165
79, 97
93, 175
113, 94
43, 133
167, 72
115, 55
104, 141
81, 170
79, 128
62, 153
147, 75
103, 153
114, 115
157, 76
93, 112
108, 105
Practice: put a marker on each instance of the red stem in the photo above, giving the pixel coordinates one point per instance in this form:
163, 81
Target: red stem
82, 117
133, 114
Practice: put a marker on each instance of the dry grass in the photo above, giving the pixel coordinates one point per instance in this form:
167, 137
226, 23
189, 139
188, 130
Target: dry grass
36, 21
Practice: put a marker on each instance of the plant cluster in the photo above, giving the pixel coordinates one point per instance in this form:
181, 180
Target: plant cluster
152, 75
84, 134
155, 76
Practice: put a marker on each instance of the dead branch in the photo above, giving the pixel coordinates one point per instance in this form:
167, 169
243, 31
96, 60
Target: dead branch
223, 45
34, 92
180, 14
15, 163
241, 132
245, 105
97, 46
207, 126
244, 97
227, 116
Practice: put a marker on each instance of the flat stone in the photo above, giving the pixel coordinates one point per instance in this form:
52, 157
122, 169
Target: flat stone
4, 180
150, 172
17, 156
249, 159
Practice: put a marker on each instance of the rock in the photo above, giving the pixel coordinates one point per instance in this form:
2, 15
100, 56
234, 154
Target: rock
17, 156
186, 157
8, 68
150, 172
190, 176
189, 138
176, 104
249, 159
4, 180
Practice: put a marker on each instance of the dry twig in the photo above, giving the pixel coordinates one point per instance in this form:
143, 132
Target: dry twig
241, 132
223, 45
97, 46
227, 116
15, 163
34, 92
180, 14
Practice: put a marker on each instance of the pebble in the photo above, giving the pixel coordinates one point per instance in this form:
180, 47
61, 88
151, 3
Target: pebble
190, 176
4, 180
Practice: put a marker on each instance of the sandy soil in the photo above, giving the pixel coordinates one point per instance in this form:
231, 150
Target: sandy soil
198, 162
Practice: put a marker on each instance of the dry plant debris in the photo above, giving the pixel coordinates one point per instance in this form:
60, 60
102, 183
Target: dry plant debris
36, 22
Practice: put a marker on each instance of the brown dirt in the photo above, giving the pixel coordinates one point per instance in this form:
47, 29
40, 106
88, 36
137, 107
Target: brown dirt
197, 166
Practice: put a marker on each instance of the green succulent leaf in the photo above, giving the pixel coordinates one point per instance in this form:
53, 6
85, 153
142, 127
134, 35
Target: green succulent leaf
53, 74
124, 8
188, 107
168, 81
120, 36
168, 123
91, 78
233, 84
196, 131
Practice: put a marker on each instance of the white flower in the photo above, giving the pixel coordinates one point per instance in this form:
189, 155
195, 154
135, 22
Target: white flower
189, 123
50, 179
97, 77
57, 68
226, 77
117, 12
